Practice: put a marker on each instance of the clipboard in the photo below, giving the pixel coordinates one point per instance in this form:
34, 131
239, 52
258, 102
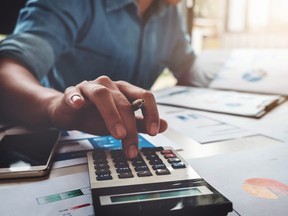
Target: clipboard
245, 104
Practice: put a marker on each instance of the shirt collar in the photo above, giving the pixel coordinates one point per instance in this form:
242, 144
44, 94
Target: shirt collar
112, 5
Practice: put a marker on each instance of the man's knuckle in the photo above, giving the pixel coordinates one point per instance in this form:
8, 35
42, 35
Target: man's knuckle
99, 90
104, 79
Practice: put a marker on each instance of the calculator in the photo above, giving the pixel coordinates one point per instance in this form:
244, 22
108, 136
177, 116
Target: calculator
157, 182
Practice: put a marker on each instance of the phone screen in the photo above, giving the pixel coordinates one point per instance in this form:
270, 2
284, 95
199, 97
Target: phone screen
29, 152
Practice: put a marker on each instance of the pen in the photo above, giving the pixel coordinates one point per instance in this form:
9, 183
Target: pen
137, 104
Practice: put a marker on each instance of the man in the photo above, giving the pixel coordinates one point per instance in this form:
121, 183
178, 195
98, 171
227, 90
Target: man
57, 67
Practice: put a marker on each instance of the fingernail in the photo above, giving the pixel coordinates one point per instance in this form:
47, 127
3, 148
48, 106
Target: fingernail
120, 130
75, 97
132, 151
154, 128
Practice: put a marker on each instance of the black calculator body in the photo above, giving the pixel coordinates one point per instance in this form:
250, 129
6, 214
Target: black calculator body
157, 182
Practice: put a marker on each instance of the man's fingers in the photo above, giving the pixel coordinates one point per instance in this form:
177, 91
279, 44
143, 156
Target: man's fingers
125, 110
149, 109
130, 142
114, 103
141, 126
101, 98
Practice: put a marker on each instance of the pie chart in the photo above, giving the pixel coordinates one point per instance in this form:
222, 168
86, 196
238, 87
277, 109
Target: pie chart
254, 75
265, 188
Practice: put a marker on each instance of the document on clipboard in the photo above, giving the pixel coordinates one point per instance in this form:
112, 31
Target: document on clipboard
221, 101
254, 70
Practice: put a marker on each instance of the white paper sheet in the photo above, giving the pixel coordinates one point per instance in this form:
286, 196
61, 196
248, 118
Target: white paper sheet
62, 196
274, 124
220, 101
255, 70
200, 128
266, 167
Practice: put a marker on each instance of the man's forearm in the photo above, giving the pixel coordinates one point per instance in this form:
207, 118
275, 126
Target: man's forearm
23, 99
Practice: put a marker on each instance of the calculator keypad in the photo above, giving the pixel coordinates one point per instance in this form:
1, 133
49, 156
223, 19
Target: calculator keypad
158, 175
149, 162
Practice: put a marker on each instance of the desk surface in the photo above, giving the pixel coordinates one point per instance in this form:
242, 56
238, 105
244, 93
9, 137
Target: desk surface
191, 150
202, 155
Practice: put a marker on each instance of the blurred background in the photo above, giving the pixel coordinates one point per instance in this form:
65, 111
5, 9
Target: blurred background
212, 25
9, 10
223, 25
229, 24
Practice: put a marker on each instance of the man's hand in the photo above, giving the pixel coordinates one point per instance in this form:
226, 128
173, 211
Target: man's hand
99, 107
104, 107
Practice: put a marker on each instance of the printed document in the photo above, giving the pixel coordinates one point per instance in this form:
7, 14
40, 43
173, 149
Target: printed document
219, 101
62, 196
254, 70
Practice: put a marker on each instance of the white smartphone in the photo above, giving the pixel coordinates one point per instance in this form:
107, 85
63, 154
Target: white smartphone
27, 154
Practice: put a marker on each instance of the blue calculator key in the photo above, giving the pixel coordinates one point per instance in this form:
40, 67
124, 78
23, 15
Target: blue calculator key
159, 166
178, 165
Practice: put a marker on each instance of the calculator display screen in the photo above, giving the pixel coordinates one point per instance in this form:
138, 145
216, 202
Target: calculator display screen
155, 195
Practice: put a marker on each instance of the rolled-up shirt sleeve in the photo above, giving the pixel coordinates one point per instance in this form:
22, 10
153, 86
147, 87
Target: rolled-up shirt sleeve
30, 50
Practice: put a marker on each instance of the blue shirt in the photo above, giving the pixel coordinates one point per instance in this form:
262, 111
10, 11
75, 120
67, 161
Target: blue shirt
64, 42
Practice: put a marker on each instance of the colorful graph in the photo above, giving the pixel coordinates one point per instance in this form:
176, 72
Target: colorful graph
265, 188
